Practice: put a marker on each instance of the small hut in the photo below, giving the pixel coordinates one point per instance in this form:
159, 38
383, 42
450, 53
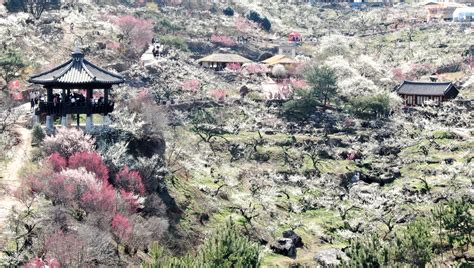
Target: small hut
279, 59
416, 93
219, 61
80, 75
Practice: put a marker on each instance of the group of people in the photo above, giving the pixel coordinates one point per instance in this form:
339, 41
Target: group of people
158, 49
73, 99
35, 97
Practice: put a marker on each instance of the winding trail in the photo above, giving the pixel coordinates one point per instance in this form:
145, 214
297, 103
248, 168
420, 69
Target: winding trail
9, 179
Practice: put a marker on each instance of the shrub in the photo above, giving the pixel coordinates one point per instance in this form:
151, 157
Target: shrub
68, 141
174, 41
367, 252
266, 24
414, 245
228, 11
254, 16
14, 5
37, 135
371, 106
35, 8
456, 219
300, 106
225, 248
154, 206
165, 25
279, 71
92, 162
11, 63
130, 181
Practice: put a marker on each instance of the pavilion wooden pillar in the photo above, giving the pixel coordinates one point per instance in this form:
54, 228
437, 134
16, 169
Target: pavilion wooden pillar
105, 117
49, 114
89, 119
63, 108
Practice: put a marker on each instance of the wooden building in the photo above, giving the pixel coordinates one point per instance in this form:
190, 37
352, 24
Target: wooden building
219, 61
416, 93
279, 59
75, 74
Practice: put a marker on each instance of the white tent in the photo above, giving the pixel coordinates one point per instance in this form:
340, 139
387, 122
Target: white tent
463, 14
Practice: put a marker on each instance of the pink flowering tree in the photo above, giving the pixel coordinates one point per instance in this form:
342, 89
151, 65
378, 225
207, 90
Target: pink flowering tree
100, 199
57, 162
297, 69
255, 68
14, 85
40, 263
398, 74
132, 201
121, 226
298, 83
130, 181
222, 40
92, 162
218, 94
191, 85
112, 45
233, 67
137, 33
243, 25
63, 249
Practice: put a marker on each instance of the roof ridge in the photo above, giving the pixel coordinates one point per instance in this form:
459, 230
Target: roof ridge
63, 72
426, 82
51, 70
88, 71
103, 70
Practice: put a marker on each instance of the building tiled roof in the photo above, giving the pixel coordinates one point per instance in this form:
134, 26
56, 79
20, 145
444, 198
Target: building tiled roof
76, 72
279, 59
424, 88
225, 58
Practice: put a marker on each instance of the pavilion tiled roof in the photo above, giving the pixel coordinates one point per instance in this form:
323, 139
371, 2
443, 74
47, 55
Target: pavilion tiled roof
76, 72
424, 88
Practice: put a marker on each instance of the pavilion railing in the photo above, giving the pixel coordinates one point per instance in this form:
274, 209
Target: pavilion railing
73, 108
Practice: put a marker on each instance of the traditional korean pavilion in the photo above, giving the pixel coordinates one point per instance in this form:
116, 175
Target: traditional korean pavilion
78, 75
416, 93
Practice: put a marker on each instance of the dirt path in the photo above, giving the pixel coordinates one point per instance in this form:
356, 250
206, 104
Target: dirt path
9, 179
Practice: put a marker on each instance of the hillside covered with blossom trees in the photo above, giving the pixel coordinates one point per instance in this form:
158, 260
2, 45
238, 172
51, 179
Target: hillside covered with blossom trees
235, 134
